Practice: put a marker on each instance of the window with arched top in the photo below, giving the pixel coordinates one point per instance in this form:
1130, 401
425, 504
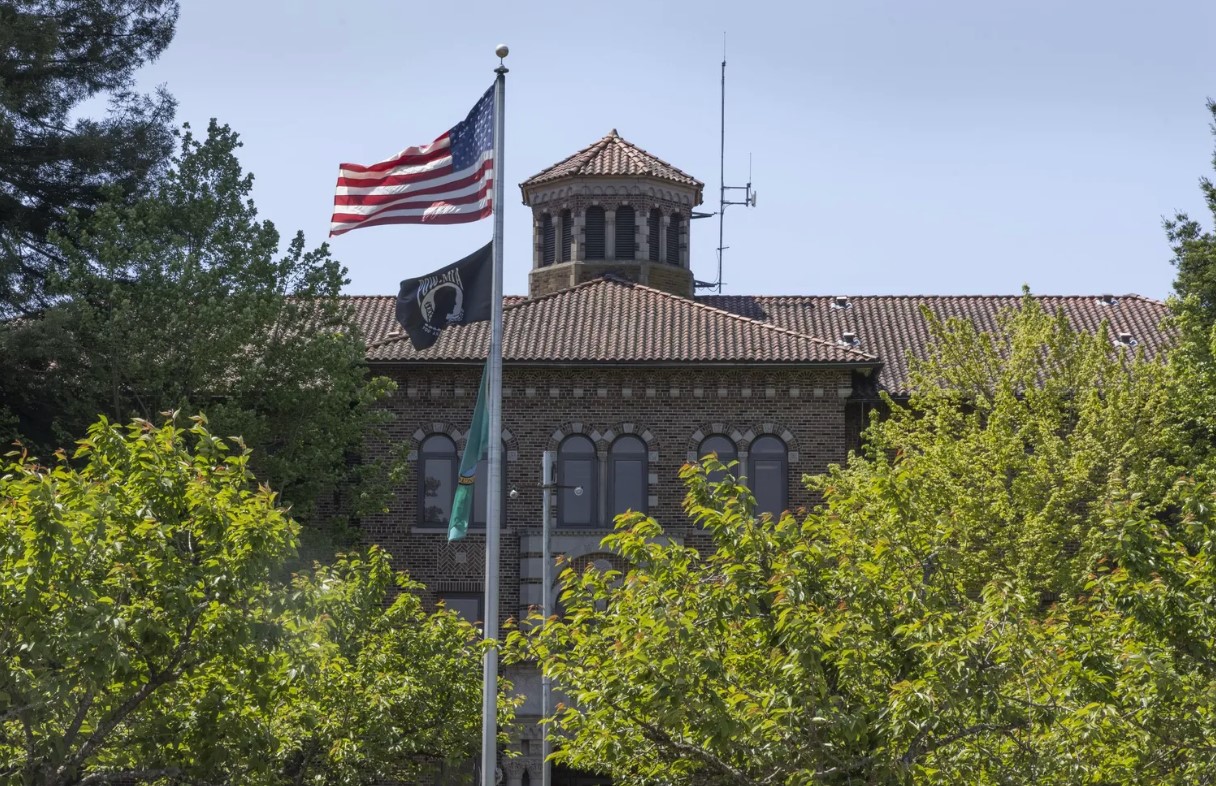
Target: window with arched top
481, 484
567, 221
724, 448
593, 228
627, 475
673, 238
438, 466
626, 233
548, 240
653, 220
766, 474
576, 471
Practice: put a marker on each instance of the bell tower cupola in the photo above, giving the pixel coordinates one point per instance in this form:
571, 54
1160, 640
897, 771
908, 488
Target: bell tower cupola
613, 208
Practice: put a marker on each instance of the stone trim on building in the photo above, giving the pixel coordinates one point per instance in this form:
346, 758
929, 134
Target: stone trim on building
461, 438
743, 439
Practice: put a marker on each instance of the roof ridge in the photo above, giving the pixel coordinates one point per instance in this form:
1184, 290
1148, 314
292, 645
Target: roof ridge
595, 150
525, 301
723, 312
635, 153
569, 158
608, 278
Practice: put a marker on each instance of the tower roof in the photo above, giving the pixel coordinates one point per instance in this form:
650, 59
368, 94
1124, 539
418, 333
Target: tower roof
613, 155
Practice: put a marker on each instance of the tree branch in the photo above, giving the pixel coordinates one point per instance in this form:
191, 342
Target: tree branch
126, 776
660, 737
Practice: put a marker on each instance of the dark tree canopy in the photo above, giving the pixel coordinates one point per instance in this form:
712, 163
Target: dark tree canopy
182, 299
58, 54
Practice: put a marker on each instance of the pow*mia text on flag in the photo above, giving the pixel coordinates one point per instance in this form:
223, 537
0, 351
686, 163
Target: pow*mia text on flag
448, 181
454, 295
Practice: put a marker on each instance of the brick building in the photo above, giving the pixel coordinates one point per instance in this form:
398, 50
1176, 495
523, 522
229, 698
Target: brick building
613, 362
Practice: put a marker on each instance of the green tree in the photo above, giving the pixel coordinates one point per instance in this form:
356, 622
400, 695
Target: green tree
59, 54
183, 300
1013, 586
1194, 305
1195, 254
146, 634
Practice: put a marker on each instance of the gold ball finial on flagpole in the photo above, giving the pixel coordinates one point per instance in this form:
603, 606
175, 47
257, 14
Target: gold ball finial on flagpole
502, 51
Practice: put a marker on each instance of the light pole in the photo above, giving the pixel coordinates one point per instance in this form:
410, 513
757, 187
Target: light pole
546, 576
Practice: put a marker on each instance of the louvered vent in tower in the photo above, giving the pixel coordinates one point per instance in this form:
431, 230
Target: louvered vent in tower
626, 227
595, 232
548, 240
567, 235
653, 219
673, 239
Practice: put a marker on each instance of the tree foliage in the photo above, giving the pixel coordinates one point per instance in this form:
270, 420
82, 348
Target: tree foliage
58, 55
183, 300
146, 634
1195, 306
1195, 254
1013, 586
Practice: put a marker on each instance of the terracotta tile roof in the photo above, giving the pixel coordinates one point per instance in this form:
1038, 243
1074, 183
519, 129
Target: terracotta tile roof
886, 326
612, 155
891, 327
608, 321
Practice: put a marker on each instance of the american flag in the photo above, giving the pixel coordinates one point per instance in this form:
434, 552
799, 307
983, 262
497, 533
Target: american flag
449, 181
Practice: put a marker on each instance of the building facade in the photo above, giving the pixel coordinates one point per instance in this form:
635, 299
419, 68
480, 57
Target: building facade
614, 363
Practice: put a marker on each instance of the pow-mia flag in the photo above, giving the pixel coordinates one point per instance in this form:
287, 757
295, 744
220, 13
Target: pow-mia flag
454, 295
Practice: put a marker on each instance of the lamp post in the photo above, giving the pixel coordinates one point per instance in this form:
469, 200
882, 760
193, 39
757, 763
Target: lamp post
546, 576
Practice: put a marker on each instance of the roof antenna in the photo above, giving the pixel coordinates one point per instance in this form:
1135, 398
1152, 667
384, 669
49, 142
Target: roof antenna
749, 196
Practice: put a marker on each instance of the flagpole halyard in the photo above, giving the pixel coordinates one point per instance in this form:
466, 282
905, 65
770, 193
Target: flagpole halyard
489, 708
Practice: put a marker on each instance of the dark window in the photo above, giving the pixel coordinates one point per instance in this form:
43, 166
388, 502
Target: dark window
576, 469
725, 450
469, 605
626, 227
567, 235
673, 239
480, 484
766, 474
437, 468
547, 239
594, 228
653, 220
627, 475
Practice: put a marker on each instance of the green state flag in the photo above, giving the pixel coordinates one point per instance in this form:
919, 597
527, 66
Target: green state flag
474, 452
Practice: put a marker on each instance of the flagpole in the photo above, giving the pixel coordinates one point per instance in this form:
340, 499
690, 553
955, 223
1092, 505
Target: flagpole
489, 694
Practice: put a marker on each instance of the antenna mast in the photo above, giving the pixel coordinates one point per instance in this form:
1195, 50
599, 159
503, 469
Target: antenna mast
749, 196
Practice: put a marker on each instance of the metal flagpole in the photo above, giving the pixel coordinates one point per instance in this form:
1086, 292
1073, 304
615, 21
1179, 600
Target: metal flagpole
489, 693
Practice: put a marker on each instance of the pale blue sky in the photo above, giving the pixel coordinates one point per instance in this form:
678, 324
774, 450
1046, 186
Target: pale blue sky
899, 147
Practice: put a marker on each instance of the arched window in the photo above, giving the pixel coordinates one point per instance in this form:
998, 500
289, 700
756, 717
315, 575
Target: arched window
627, 475
653, 220
766, 474
437, 469
725, 450
576, 469
567, 235
626, 227
548, 240
594, 228
673, 239
480, 484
